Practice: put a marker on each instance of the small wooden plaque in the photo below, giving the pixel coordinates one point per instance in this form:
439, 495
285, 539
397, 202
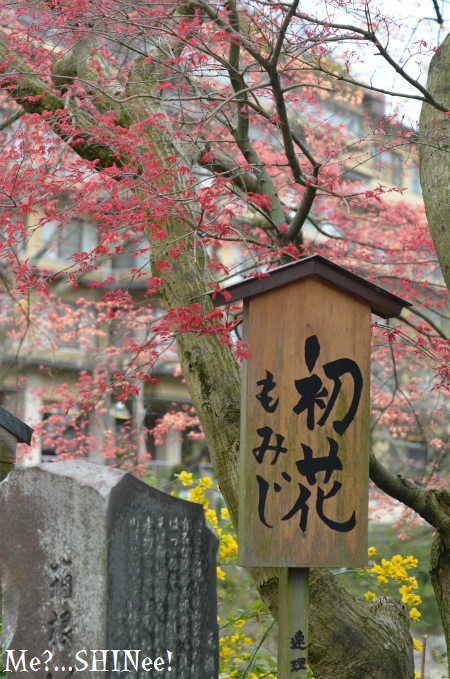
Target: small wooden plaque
305, 427
7, 452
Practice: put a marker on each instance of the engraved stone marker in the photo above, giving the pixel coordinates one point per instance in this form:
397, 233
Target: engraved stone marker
94, 560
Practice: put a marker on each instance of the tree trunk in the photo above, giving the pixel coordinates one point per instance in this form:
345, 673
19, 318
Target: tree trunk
347, 641
434, 157
440, 579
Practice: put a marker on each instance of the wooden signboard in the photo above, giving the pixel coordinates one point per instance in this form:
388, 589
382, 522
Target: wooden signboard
305, 436
12, 430
305, 430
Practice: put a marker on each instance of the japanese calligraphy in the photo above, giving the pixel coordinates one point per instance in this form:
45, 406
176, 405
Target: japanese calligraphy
317, 401
263, 397
298, 641
60, 629
312, 391
298, 664
266, 435
60, 596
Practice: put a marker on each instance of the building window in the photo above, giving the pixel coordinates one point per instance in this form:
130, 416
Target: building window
57, 430
354, 177
132, 259
390, 167
65, 241
337, 115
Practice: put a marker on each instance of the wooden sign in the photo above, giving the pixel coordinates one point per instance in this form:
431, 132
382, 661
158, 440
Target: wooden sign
305, 415
305, 418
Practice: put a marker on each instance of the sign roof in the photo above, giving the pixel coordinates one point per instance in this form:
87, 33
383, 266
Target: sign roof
383, 303
19, 429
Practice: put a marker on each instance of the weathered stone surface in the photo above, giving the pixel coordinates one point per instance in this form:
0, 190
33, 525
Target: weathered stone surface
94, 559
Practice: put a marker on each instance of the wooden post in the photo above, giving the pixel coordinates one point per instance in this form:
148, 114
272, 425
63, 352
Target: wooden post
293, 597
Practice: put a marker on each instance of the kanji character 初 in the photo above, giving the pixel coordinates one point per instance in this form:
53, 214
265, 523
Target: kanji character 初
334, 371
312, 391
266, 435
263, 397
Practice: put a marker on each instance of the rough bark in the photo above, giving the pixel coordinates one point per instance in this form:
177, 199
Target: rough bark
440, 579
434, 157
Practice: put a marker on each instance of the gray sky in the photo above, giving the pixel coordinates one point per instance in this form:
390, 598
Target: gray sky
411, 22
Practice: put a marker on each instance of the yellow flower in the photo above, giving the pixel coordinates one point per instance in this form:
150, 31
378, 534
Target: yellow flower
197, 495
414, 614
205, 482
405, 591
224, 513
417, 645
410, 562
371, 551
211, 517
247, 641
220, 573
185, 478
239, 623
369, 596
228, 546
382, 578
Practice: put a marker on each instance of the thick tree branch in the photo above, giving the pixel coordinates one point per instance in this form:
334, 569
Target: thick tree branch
241, 134
75, 65
12, 119
34, 96
431, 505
225, 167
282, 34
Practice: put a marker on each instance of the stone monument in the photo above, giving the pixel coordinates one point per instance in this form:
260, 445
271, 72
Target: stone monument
102, 572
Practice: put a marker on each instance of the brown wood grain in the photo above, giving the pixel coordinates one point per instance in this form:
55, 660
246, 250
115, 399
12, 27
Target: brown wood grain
292, 654
276, 326
7, 452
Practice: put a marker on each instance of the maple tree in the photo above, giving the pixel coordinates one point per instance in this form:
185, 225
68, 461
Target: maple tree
174, 130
